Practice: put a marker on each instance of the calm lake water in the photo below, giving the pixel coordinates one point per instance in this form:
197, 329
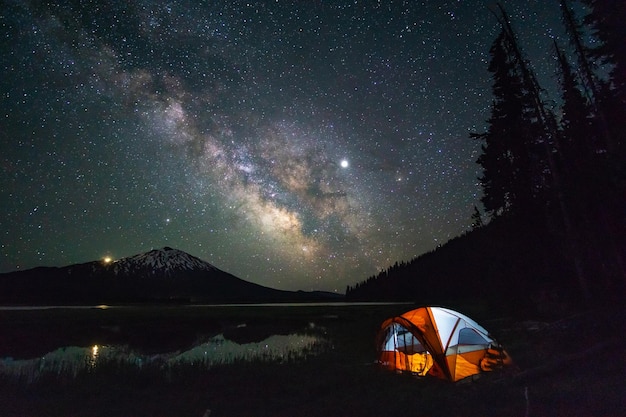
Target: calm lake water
131, 336
70, 360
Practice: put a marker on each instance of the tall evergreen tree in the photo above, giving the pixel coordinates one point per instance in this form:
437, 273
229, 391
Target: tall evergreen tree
477, 219
596, 89
606, 22
577, 157
535, 189
512, 177
586, 66
579, 133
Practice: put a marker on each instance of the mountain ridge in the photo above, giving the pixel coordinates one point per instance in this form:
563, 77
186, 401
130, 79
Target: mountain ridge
164, 275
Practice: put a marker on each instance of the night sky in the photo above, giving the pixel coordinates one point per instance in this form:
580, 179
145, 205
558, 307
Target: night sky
298, 145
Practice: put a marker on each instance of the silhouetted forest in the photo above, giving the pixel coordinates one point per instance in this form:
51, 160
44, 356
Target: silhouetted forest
552, 230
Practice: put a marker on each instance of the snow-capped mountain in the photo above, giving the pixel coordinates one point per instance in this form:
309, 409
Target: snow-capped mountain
160, 275
164, 262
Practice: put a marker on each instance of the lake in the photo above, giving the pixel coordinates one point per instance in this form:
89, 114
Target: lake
68, 340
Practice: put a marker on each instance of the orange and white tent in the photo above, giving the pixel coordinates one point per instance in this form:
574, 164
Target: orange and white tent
439, 342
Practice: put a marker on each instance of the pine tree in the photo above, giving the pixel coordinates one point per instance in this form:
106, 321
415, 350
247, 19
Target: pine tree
606, 21
510, 159
575, 32
578, 144
578, 163
477, 219
595, 88
535, 189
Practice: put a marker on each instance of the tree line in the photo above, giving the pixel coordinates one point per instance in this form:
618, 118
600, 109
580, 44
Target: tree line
559, 170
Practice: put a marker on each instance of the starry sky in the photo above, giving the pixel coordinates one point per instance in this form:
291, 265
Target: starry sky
295, 144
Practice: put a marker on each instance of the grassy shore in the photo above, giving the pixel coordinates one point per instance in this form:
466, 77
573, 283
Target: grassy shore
570, 366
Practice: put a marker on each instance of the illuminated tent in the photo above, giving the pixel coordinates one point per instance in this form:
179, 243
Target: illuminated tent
438, 342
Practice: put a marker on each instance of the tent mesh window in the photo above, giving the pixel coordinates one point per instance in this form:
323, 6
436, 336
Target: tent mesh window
469, 336
407, 343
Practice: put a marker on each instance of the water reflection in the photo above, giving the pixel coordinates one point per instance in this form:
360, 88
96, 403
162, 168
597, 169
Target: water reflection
218, 350
68, 360
94, 356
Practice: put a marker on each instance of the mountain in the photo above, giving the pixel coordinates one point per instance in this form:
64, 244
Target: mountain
160, 275
160, 263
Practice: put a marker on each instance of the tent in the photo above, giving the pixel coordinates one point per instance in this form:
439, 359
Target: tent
438, 342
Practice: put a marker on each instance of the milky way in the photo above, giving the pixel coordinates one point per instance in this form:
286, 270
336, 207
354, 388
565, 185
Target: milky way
298, 145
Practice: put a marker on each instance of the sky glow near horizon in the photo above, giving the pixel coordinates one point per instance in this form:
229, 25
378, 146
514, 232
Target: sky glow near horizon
297, 145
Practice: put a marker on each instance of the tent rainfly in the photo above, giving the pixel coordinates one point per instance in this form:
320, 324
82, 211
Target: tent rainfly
438, 342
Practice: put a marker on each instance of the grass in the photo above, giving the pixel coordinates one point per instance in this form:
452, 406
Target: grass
339, 381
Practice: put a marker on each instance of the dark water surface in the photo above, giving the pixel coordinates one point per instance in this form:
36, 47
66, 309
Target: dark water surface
66, 340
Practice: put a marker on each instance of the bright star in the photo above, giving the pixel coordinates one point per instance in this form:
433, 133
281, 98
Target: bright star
344, 163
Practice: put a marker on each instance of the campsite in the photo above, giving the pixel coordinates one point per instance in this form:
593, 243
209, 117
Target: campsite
571, 365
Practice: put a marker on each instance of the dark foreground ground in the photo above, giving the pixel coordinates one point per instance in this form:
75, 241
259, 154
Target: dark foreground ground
574, 365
